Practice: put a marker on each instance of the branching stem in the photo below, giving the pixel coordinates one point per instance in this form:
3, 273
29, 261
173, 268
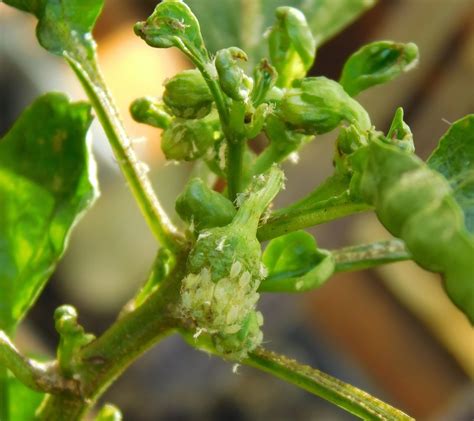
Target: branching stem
284, 222
43, 377
104, 359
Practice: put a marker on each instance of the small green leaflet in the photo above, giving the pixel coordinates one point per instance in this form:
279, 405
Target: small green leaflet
295, 264
227, 23
47, 180
454, 158
63, 25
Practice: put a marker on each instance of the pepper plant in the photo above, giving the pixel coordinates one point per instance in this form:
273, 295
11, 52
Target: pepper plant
210, 270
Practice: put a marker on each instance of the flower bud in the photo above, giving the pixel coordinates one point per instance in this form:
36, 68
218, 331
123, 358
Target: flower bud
318, 105
150, 111
203, 207
187, 95
233, 80
187, 140
291, 44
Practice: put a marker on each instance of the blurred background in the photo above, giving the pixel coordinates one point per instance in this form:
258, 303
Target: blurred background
391, 331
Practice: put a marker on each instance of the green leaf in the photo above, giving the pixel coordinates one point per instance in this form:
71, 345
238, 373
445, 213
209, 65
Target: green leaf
454, 158
63, 25
295, 264
242, 23
376, 63
47, 179
23, 401
417, 204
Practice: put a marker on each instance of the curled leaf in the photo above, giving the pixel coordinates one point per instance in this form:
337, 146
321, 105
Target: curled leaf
295, 264
291, 45
377, 63
173, 24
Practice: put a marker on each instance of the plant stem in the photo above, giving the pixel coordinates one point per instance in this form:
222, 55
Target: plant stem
365, 256
344, 395
43, 377
4, 394
235, 144
235, 156
91, 79
104, 359
348, 397
284, 222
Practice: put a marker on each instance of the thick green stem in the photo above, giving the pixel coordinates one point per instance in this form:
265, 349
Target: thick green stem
104, 359
4, 397
235, 144
366, 256
295, 219
235, 157
348, 397
134, 172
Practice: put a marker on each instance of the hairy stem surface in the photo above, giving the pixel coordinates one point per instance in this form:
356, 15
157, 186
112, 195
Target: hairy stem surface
348, 397
366, 256
134, 172
295, 219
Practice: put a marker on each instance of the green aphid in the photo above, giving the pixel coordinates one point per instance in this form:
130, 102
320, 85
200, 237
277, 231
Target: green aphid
235, 346
187, 95
225, 269
318, 105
